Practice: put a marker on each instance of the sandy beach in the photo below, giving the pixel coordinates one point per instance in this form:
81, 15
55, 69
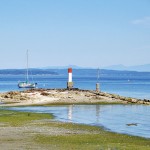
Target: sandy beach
63, 96
23, 130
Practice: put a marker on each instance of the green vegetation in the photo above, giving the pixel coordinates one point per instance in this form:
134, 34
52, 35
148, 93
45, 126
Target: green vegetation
73, 126
94, 139
14, 118
74, 136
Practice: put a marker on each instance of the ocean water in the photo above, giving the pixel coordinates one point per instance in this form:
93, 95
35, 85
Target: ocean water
111, 117
131, 84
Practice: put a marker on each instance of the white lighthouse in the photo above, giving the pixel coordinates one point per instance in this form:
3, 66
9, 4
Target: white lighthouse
69, 83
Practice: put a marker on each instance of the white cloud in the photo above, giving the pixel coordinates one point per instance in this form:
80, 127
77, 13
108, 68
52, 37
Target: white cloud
143, 21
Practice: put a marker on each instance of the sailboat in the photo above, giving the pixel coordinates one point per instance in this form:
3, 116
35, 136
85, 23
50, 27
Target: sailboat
27, 83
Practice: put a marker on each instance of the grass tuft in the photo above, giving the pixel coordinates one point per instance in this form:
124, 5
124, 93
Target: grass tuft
14, 118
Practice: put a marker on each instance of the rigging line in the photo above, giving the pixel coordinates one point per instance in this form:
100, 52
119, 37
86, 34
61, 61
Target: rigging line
27, 65
98, 75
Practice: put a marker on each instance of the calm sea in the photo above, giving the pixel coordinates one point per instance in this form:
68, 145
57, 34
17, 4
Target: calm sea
132, 84
112, 117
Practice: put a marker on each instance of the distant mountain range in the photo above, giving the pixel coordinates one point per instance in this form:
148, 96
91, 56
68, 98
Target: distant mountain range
141, 68
65, 67
52, 69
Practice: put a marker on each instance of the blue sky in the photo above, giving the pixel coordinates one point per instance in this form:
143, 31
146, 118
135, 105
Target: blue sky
88, 33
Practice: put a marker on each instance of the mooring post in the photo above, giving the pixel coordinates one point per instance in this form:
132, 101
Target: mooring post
97, 84
97, 87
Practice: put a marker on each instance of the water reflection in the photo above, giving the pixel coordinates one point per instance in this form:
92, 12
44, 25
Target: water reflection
113, 117
97, 113
70, 110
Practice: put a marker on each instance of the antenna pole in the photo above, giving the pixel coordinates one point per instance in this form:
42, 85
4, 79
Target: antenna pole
27, 66
98, 75
97, 84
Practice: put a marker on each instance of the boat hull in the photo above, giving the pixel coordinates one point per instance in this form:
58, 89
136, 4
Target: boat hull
27, 85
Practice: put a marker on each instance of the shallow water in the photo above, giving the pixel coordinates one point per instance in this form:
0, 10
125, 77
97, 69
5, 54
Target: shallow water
111, 117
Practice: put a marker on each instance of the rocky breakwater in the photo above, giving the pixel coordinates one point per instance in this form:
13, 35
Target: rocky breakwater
64, 96
126, 99
13, 97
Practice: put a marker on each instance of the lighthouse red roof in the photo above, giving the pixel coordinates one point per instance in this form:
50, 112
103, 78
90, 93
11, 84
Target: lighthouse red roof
69, 70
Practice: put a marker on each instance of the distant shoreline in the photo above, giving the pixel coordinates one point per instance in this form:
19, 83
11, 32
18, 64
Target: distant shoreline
64, 96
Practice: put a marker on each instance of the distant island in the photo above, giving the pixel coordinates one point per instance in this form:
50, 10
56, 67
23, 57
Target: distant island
57, 70
141, 68
23, 71
120, 67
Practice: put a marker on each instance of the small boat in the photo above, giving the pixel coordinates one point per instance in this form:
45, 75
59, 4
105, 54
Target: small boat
27, 83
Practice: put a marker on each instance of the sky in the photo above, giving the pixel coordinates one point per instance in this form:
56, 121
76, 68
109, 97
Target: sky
87, 33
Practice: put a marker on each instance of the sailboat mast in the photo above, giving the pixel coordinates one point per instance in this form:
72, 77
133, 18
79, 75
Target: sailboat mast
27, 67
98, 75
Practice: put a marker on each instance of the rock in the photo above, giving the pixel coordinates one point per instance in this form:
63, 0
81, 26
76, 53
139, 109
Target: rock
146, 102
102, 94
131, 124
134, 100
6, 96
122, 98
96, 97
70, 97
13, 93
87, 95
140, 102
44, 93
128, 99
23, 98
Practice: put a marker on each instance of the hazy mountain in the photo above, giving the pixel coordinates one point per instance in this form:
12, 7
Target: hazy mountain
142, 68
116, 67
66, 67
